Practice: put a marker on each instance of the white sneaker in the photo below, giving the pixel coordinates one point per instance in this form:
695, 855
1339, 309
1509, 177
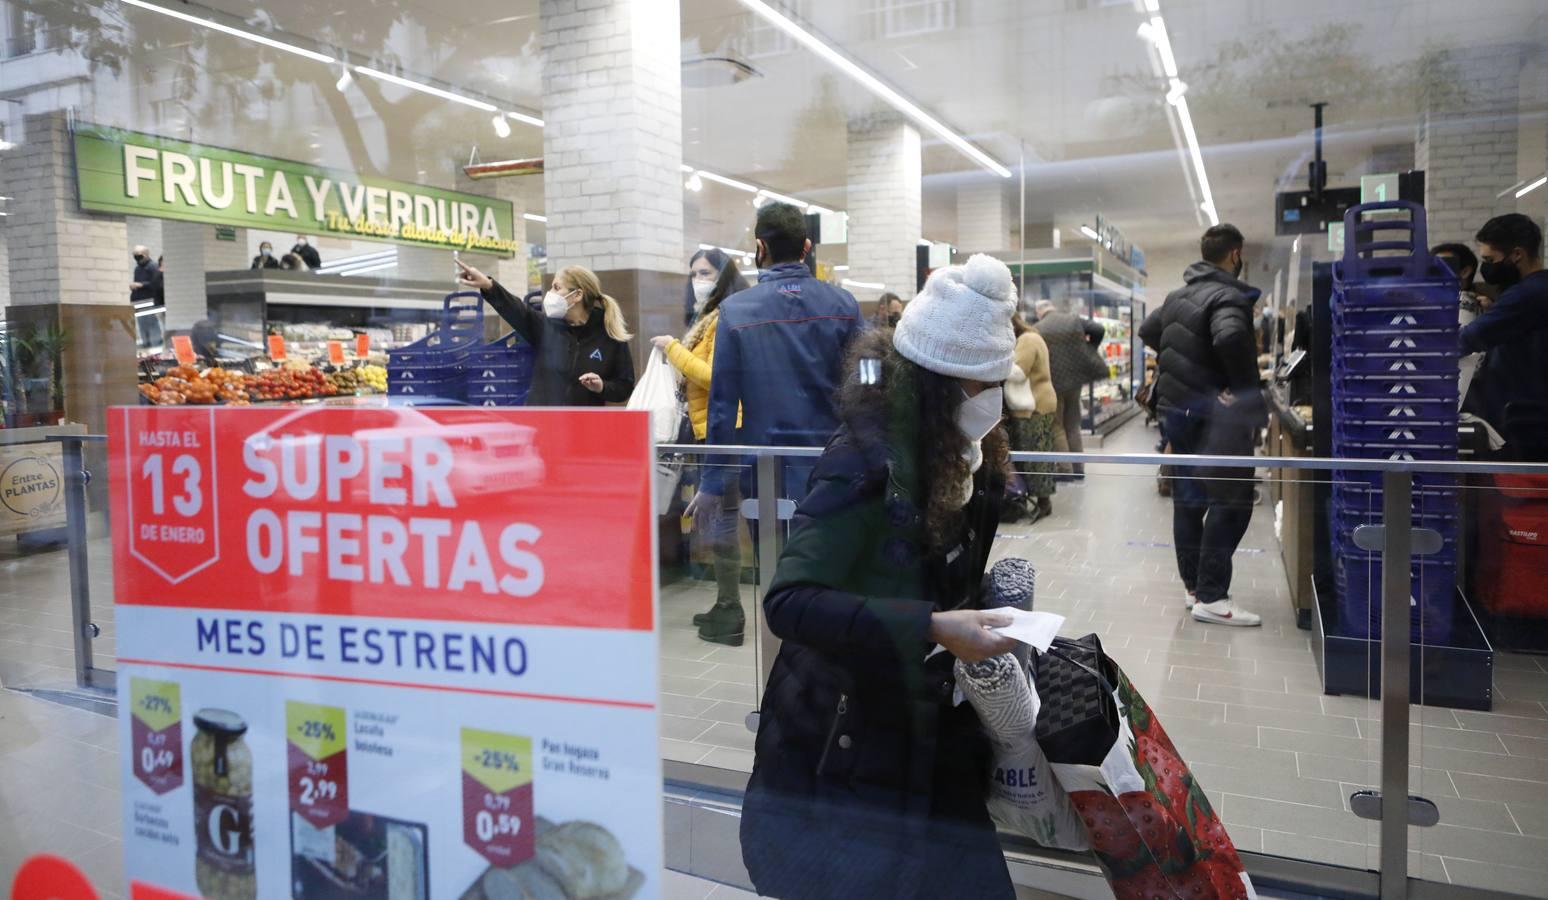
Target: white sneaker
1189, 600
1225, 612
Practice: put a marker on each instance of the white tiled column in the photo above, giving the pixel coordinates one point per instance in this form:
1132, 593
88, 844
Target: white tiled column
69, 270
612, 144
985, 216
613, 152
883, 202
1467, 142
191, 250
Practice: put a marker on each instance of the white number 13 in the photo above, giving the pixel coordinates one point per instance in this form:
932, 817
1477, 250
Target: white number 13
191, 500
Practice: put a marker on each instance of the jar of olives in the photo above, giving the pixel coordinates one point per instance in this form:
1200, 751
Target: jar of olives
223, 806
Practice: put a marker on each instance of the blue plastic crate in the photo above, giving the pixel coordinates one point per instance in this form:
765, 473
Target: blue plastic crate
1394, 430
1386, 408
1432, 598
1388, 317
499, 373
500, 400
1403, 362
1423, 501
1394, 388
1423, 482
1412, 340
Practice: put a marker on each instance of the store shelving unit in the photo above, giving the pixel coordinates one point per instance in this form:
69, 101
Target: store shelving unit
1094, 283
250, 304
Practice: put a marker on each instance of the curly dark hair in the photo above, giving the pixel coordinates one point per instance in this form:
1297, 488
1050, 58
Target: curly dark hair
908, 393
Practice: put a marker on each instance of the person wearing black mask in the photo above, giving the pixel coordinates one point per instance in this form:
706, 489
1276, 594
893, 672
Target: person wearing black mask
889, 310
265, 258
307, 252
146, 273
1514, 332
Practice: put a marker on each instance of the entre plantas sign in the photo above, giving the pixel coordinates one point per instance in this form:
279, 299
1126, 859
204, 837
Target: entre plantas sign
129, 173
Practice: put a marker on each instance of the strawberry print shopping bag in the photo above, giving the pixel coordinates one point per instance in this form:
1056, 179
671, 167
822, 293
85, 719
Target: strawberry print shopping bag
1153, 830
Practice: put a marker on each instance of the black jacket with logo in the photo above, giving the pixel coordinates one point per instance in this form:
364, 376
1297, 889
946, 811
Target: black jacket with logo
1204, 339
565, 352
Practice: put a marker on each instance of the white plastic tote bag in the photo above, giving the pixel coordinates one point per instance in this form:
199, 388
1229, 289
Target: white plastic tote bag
656, 393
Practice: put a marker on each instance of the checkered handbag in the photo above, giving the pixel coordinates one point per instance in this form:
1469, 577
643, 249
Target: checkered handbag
1078, 721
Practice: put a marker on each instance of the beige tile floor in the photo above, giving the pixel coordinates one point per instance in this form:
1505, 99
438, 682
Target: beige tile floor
1277, 756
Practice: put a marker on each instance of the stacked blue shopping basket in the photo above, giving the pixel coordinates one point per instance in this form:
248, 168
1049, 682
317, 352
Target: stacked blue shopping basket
454, 365
433, 369
1395, 387
499, 373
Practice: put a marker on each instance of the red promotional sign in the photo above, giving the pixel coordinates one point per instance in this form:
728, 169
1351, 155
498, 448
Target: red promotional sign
336, 352
277, 347
170, 499
479, 515
362, 345
182, 348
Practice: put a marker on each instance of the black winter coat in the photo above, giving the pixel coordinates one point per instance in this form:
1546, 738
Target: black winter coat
565, 352
1203, 335
867, 781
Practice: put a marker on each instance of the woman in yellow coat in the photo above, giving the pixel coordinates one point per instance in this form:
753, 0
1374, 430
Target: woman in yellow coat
713, 277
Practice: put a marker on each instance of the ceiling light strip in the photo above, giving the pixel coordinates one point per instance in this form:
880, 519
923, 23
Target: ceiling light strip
423, 88
1532, 187
1176, 97
873, 84
534, 217
234, 32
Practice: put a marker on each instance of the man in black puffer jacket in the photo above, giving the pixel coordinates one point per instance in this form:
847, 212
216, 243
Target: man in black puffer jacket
1210, 404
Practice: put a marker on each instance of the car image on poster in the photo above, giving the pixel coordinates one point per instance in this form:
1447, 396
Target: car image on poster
386, 652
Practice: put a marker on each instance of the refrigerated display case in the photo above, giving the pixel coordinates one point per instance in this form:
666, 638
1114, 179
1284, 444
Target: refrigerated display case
1096, 285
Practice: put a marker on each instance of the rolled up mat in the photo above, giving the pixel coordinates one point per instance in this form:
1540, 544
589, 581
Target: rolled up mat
1010, 582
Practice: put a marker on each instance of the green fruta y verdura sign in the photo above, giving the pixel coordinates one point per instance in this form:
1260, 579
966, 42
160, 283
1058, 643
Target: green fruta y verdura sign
135, 174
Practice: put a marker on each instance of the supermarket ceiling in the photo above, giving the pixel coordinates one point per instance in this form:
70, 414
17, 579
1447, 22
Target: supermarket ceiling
1066, 88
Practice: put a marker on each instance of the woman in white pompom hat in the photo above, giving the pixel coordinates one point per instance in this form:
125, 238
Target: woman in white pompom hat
868, 781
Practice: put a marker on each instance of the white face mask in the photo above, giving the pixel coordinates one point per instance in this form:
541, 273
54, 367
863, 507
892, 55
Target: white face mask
555, 304
978, 415
701, 294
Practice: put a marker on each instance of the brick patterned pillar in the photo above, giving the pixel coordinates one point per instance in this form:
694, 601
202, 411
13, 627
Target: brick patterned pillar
986, 214
69, 269
1467, 142
613, 152
885, 180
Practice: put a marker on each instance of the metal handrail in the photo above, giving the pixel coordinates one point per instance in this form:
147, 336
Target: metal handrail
1175, 459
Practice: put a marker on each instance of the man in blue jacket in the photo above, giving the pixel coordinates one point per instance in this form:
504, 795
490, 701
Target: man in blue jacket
779, 357
1514, 332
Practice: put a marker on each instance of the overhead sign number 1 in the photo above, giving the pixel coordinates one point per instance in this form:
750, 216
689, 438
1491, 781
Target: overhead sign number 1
190, 500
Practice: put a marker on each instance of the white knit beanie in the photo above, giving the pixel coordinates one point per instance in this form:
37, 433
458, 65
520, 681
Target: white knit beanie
960, 324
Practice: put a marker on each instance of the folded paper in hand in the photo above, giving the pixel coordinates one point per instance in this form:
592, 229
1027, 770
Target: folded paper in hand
1034, 628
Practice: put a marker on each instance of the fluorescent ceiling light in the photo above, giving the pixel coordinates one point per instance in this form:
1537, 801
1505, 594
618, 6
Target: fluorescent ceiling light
364, 269
234, 32
534, 121
502, 128
142, 304
873, 84
841, 268
1158, 36
814, 208
1090, 232
346, 78
687, 168
150, 312
694, 183
1175, 95
534, 217
864, 285
1152, 5
731, 182
357, 260
1194, 153
424, 88
1532, 187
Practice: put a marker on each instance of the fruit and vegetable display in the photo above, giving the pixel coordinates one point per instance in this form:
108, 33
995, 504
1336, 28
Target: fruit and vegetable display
295, 380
